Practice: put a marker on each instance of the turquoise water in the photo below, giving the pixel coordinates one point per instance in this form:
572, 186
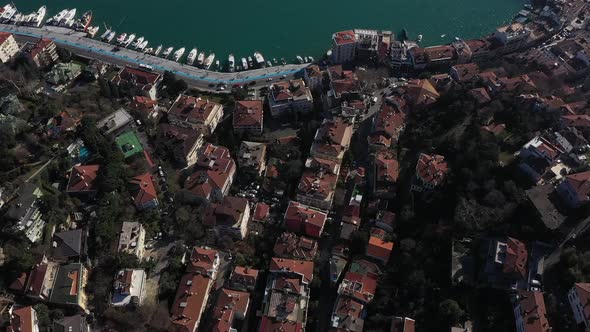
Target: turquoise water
285, 28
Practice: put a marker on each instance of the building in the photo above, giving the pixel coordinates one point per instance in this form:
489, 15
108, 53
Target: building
343, 46
230, 305
506, 265
114, 123
230, 217
214, 174
68, 287
94, 70
23, 320
530, 313
403, 324
132, 239
420, 93
128, 288
252, 158
314, 77
143, 192
513, 36
194, 112
387, 126
261, 212
142, 82
183, 142
286, 297
145, 107
379, 249
75, 323
25, 213
317, 188
292, 96
431, 172
574, 190
244, 278
464, 72
351, 221
248, 116
579, 297
82, 181
289, 245
386, 174
332, 139
303, 219
358, 287
347, 315
43, 53
441, 55
129, 144
63, 73
40, 281
193, 291
8, 47
69, 245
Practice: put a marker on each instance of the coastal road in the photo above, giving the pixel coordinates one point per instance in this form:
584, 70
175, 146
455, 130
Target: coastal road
195, 77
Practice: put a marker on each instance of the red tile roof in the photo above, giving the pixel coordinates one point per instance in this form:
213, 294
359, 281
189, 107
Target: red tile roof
349, 312
188, 108
83, 179
432, 169
187, 137
344, 37
533, 312
465, 72
289, 90
359, 287
4, 36
516, 258
143, 189
379, 249
580, 183
189, 302
229, 303
244, 275
345, 86
421, 92
227, 213
387, 168
214, 167
583, 291
300, 267
261, 211
22, 320
480, 95
40, 47
442, 52
299, 215
292, 246
143, 104
268, 324
247, 113
142, 79
582, 120
202, 260
317, 184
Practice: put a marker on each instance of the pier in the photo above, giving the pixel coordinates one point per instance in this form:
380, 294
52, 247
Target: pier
202, 79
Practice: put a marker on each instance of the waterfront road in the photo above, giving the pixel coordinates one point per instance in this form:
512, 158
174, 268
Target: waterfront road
196, 77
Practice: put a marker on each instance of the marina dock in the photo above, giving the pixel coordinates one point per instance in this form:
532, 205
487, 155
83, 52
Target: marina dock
202, 79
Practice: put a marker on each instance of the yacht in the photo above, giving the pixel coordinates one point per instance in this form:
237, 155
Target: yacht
158, 50
121, 39
419, 38
54, 20
299, 58
231, 63
200, 59
105, 34
306, 59
259, 59
192, 55
111, 36
148, 50
209, 61
217, 64
283, 62
38, 18
167, 52
68, 19
142, 46
130, 40
138, 42
92, 31
178, 54
244, 64
268, 63
311, 59
83, 23
250, 62
8, 13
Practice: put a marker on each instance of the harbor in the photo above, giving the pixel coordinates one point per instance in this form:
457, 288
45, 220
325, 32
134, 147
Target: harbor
197, 77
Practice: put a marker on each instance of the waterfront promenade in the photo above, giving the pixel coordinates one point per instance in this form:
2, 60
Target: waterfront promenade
196, 77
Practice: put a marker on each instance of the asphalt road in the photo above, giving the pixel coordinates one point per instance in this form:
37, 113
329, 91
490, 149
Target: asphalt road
196, 77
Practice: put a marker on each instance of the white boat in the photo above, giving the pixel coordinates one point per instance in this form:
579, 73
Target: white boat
8, 13
200, 59
111, 36
306, 59
142, 46
209, 61
311, 59
420, 38
299, 58
38, 19
148, 50
121, 39
283, 62
192, 55
68, 19
250, 62
167, 52
244, 64
268, 63
92, 31
231, 63
137, 42
158, 50
443, 35
105, 34
259, 59
129, 40
178, 54
274, 60
54, 20
217, 64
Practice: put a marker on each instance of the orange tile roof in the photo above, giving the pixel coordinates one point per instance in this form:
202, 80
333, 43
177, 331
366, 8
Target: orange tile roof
82, 179
300, 267
189, 107
229, 303
4, 36
344, 37
214, 167
142, 79
189, 302
261, 211
379, 249
533, 312
301, 213
247, 113
317, 184
516, 258
386, 166
268, 324
22, 320
432, 168
143, 189
201, 260
40, 47
293, 246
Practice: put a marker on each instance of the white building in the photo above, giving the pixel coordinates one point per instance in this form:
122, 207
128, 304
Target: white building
128, 288
343, 46
8, 46
132, 239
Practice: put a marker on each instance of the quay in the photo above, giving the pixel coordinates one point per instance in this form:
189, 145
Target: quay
201, 79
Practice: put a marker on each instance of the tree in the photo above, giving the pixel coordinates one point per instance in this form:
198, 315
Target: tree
42, 315
451, 311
